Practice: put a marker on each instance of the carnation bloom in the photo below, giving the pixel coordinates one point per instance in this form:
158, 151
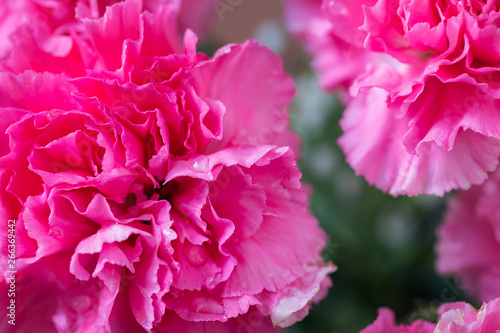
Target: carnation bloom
456, 317
434, 87
469, 240
154, 188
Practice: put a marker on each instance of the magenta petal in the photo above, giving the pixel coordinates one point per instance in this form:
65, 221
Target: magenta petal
70, 304
201, 266
484, 40
38, 91
122, 319
142, 289
161, 31
198, 306
123, 255
204, 166
71, 155
232, 185
9, 116
120, 22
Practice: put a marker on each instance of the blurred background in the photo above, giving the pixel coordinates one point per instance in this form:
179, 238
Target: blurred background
383, 246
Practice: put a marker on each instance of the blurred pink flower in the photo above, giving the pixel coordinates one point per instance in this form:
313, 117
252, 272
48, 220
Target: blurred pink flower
441, 83
331, 37
456, 317
385, 323
469, 240
154, 188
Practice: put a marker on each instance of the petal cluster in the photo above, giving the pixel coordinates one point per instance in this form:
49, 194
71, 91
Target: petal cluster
52, 26
431, 70
453, 318
154, 188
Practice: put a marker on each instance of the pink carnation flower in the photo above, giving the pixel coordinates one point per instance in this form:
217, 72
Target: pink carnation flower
456, 317
469, 240
434, 86
153, 189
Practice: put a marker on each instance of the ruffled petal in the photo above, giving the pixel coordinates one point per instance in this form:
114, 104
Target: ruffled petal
260, 120
373, 146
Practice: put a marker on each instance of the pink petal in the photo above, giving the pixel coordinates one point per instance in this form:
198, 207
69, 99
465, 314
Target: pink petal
9, 116
120, 22
253, 320
294, 303
161, 33
232, 185
468, 312
373, 145
386, 323
38, 91
469, 239
94, 244
259, 120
